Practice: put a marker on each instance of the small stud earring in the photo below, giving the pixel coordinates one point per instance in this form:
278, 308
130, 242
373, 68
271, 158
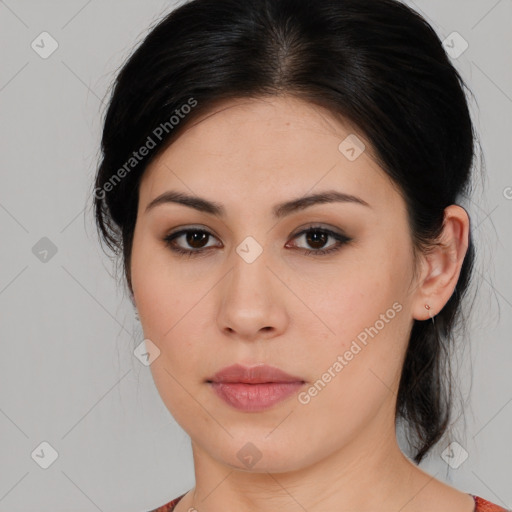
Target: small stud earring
427, 307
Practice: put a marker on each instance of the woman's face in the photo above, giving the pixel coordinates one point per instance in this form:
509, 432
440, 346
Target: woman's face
262, 292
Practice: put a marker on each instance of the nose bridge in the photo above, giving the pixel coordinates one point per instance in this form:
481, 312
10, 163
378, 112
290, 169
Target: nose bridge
249, 302
250, 274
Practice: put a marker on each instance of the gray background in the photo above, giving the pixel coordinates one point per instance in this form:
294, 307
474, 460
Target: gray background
68, 375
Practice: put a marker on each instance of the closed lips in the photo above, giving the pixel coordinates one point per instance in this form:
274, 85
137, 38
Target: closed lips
259, 374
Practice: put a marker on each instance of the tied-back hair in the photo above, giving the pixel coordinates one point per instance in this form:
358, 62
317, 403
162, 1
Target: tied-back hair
376, 63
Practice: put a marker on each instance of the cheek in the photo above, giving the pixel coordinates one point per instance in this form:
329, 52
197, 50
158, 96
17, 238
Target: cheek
354, 375
363, 313
169, 306
156, 293
347, 298
152, 303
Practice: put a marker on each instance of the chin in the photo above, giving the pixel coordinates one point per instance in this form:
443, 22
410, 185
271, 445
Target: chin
255, 454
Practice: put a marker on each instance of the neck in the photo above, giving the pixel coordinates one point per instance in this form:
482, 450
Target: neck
369, 473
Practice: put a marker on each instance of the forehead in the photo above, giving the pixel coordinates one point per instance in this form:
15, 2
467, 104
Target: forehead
249, 149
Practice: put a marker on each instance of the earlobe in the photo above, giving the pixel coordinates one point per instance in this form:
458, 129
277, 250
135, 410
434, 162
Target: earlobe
430, 313
443, 264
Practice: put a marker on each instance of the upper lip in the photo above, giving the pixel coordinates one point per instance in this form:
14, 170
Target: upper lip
253, 374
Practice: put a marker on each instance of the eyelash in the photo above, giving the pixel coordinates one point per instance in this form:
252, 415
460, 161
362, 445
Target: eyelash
341, 240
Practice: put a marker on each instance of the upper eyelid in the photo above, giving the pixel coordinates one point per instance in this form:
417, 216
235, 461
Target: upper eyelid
299, 231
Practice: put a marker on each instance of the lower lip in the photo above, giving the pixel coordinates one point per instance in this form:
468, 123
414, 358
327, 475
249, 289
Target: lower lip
254, 397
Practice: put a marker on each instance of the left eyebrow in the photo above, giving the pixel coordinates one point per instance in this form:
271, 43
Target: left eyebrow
280, 210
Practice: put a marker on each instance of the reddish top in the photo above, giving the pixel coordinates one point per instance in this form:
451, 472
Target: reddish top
481, 505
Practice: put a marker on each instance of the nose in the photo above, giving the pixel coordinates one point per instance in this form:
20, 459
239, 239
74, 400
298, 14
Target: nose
252, 300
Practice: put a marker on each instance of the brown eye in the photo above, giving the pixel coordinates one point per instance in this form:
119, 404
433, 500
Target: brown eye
317, 237
195, 239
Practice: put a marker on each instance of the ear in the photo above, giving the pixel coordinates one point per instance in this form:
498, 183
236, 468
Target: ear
441, 266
